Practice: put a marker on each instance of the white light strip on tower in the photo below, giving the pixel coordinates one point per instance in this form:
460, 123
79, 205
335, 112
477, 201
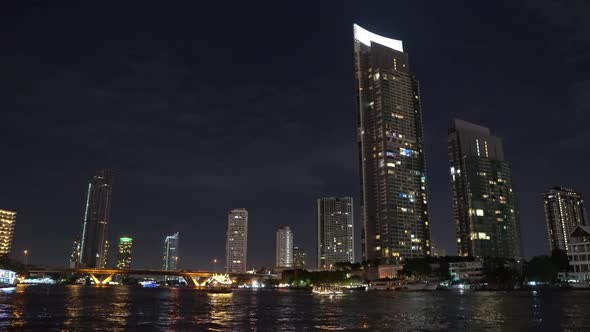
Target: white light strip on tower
366, 37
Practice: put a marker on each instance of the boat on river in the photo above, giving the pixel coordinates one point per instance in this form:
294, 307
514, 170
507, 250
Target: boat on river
383, 285
7, 278
420, 285
326, 290
218, 283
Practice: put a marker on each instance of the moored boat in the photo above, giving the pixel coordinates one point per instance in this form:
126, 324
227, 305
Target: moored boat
7, 278
580, 285
383, 285
430, 285
219, 290
412, 286
326, 290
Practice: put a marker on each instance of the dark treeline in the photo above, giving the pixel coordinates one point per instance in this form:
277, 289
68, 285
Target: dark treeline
500, 272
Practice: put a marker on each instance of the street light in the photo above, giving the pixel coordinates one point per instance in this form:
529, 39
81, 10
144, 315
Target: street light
26, 260
215, 264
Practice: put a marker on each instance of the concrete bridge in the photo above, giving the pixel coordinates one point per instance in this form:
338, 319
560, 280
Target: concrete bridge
103, 276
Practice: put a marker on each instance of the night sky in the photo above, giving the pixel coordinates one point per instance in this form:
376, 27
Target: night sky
199, 109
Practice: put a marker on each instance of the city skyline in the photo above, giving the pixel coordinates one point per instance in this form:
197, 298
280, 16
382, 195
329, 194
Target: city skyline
187, 142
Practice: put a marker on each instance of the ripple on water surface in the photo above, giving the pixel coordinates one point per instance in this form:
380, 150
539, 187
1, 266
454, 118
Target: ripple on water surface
119, 308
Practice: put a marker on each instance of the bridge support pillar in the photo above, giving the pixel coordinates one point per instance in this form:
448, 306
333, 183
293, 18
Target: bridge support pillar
190, 281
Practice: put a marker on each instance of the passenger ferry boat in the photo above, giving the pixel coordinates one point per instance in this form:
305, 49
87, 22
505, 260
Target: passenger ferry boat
391, 285
383, 285
7, 278
326, 290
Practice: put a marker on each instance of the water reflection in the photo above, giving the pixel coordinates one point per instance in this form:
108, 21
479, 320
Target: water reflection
72, 305
16, 307
488, 309
170, 308
120, 308
219, 310
330, 312
74, 308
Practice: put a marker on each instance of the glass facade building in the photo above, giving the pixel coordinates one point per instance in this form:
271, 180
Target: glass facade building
170, 256
484, 203
564, 211
94, 241
335, 231
394, 200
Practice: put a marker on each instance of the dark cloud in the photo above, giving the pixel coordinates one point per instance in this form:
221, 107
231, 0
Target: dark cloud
568, 27
199, 113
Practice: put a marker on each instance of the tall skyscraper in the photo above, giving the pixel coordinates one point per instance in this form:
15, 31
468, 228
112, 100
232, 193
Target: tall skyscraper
124, 254
236, 246
335, 231
170, 257
7, 221
484, 204
394, 209
299, 258
75, 255
96, 220
564, 210
284, 250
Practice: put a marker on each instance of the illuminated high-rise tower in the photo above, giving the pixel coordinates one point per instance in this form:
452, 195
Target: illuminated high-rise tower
564, 211
299, 258
284, 249
335, 231
7, 221
124, 253
484, 204
236, 245
93, 246
394, 199
170, 257
75, 254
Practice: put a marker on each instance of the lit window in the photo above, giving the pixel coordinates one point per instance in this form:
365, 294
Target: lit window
405, 152
479, 212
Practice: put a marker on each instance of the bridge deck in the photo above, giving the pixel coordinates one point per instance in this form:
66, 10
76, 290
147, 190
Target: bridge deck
193, 274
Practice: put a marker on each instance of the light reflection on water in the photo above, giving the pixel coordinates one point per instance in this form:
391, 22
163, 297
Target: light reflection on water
219, 310
119, 308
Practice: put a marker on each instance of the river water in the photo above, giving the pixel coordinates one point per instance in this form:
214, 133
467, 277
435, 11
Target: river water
72, 308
